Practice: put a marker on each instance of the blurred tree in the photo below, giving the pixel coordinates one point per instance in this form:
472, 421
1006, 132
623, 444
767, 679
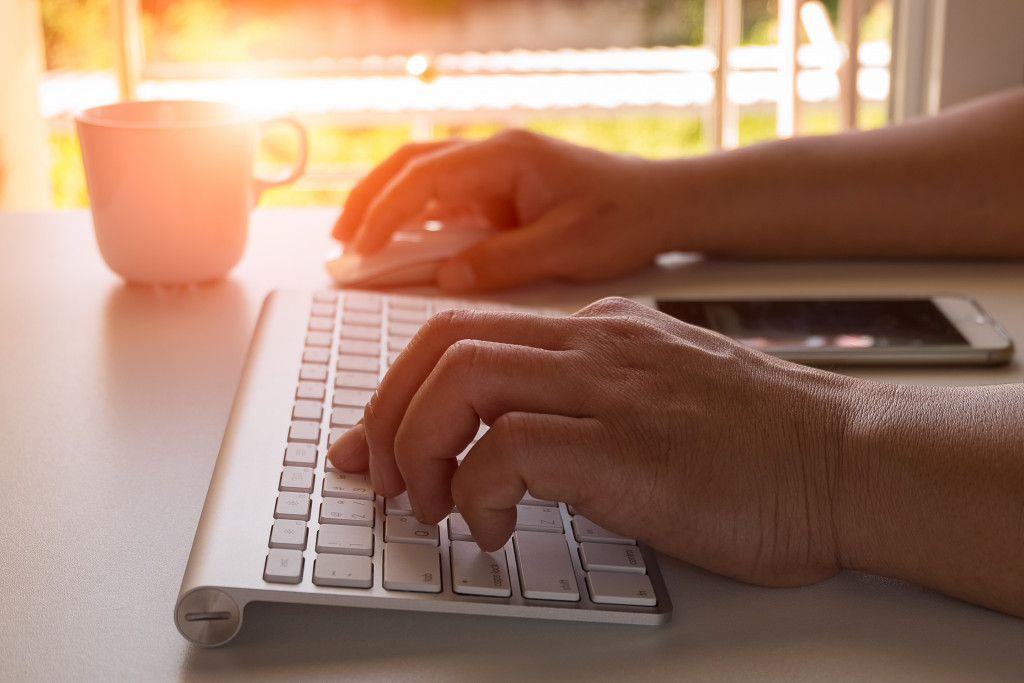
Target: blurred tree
76, 34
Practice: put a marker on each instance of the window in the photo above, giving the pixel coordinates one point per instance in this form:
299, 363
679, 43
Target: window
663, 78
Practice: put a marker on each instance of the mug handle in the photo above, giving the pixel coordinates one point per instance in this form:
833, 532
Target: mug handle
262, 184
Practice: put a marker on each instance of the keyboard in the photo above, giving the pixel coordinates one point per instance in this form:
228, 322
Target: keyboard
281, 524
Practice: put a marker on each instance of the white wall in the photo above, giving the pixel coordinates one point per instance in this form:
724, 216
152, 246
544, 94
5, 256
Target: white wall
23, 178
983, 50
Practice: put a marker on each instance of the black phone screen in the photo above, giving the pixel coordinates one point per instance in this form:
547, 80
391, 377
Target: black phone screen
817, 323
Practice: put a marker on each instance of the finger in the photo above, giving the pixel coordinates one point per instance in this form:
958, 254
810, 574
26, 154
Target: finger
385, 412
543, 249
349, 452
542, 454
370, 186
476, 381
457, 174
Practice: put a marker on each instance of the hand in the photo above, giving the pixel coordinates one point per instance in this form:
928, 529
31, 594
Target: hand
571, 213
693, 443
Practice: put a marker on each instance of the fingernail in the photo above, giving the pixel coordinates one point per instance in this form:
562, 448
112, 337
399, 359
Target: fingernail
456, 275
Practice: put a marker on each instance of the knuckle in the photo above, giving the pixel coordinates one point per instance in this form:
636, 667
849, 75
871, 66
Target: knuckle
510, 434
609, 306
464, 357
514, 137
445, 324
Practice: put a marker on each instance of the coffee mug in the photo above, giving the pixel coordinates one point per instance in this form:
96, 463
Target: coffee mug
171, 185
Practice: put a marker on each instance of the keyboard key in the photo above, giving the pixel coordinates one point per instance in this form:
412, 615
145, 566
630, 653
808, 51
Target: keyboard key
312, 372
458, 530
345, 539
354, 398
356, 380
304, 432
399, 505
402, 329
348, 571
315, 354
347, 485
288, 533
346, 417
361, 332
320, 324
403, 529
292, 505
585, 530
313, 391
347, 361
530, 500
346, 511
300, 455
307, 410
322, 339
615, 588
475, 572
359, 347
545, 567
283, 566
360, 318
612, 557
298, 479
407, 303
533, 518
325, 310
411, 567
413, 317
364, 302
397, 344
325, 296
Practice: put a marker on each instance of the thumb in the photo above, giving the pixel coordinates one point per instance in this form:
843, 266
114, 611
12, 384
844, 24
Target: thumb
516, 256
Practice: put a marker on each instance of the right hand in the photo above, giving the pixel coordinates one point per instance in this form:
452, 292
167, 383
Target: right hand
705, 449
569, 213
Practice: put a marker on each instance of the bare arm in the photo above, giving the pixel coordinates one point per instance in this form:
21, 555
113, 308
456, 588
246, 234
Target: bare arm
936, 490
945, 187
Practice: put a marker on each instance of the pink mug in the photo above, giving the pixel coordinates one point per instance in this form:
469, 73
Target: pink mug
171, 185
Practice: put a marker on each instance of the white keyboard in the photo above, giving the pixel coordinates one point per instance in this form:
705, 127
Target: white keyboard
280, 524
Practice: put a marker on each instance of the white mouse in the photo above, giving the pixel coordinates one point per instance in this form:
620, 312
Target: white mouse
410, 258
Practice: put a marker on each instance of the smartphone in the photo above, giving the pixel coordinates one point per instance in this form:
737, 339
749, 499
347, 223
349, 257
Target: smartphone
942, 329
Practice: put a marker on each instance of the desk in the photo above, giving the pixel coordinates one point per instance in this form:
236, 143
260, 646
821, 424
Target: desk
114, 400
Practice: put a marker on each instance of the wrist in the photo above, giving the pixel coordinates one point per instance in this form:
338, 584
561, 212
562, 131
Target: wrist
930, 490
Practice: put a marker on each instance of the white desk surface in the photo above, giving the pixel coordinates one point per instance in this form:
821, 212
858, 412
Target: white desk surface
114, 399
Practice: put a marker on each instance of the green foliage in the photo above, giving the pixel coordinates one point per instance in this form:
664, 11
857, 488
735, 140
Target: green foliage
204, 30
77, 34
877, 23
67, 177
652, 136
675, 22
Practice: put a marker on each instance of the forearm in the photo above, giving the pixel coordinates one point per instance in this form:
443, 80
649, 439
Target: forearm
948, 186
932, 491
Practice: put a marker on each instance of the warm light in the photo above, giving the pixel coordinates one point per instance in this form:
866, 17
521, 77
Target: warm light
421, 68
818, 26
417, 65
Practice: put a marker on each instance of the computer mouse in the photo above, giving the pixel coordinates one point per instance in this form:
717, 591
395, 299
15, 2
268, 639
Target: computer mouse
410, 258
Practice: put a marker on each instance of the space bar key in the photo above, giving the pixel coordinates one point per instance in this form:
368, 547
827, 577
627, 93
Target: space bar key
545, 567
